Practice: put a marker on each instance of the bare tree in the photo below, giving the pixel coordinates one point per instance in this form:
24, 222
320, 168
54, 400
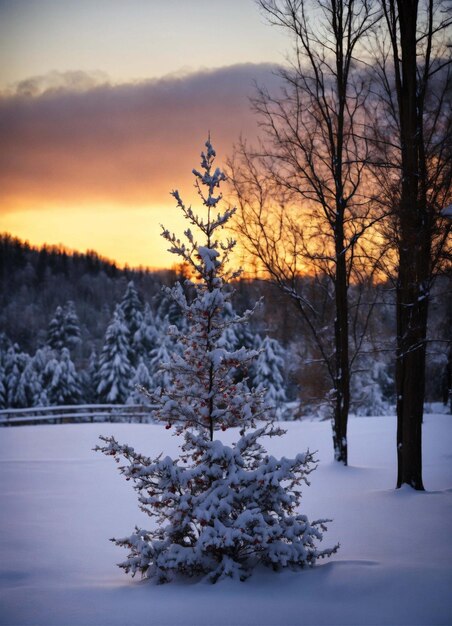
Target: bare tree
302, 195
413, 63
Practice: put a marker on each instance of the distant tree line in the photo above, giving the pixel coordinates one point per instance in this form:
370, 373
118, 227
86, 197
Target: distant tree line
134, 355
89, 332
70, 358
34, 282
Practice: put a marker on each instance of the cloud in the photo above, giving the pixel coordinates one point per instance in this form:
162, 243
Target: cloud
76, 139
59, 81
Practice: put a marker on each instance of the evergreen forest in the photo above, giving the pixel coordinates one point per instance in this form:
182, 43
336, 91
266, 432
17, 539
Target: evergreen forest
77, 329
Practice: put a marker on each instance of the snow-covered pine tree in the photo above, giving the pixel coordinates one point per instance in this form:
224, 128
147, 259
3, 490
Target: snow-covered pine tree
145, 338
268, 373
220, 510
371, 388
160, 356
71, 326
29, 386
2, 388
20, 378
89, 378
115, 370
64, 330
55, 330
61, 381
13, 367
229, 339
132, 308
5, 344
167, 308
140, 380
235, 336
41, 357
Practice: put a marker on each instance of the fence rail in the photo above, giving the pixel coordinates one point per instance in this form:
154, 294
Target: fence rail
76, 414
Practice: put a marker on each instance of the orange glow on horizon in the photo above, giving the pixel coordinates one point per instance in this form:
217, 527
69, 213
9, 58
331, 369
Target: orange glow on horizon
127, 236
94, 169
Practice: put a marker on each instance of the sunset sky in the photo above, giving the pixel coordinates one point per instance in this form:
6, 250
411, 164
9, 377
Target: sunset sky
105, 107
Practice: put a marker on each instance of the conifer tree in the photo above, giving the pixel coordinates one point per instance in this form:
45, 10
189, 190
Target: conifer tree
115, 369
167, 308
40, 360
64, 329
90, 378
132, 308
160, 356
220, 510
13, 372
145, 338
268, 373
55, 330
62, 384
372, 388
3, 391
2, 388
29, 384
140, 380
237, 335
71, 326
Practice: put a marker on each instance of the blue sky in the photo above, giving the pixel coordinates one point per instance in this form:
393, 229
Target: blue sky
132, 39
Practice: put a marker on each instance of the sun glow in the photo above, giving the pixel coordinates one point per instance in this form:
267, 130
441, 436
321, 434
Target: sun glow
129, 236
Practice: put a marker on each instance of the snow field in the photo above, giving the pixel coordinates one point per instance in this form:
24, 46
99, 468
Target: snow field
60, 502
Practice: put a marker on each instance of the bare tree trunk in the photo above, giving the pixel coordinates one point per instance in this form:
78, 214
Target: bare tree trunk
412, 308
411, 311
342, 369
301, 194
412, 29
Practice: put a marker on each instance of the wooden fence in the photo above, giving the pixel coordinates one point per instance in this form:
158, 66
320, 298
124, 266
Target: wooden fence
75, 414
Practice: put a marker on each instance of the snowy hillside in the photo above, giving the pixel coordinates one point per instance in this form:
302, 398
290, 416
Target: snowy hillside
60, 502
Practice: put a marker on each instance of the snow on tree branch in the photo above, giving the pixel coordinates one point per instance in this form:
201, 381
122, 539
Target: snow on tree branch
220, 510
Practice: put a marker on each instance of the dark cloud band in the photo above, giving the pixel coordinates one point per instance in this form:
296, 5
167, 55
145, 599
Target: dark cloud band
81, 139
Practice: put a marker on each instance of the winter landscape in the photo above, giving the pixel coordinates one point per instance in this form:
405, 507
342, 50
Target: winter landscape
61, 502
224, 510
259, 431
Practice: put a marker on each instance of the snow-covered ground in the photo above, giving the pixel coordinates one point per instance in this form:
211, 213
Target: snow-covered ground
60, 502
